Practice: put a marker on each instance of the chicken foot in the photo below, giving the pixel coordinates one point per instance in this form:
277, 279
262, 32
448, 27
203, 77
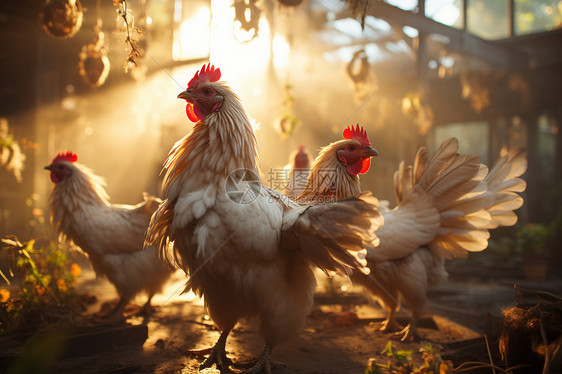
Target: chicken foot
218, 355
410, 332
147, 309
115, 314
390, 324
264, 363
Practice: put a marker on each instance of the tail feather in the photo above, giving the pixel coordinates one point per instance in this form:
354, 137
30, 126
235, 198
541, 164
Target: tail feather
513, 185
402, 181
158, 233
508, 167
462, 176
504, 182
440, 160
419, 164
507, 202
466, 221
469, 198
502, 218
457, 243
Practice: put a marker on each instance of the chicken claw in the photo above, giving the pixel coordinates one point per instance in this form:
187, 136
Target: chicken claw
409, 333
264, 363
218, 355
390, 324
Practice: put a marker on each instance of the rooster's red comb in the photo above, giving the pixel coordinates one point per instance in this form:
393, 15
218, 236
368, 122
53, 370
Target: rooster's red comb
65, 156
357, 133
207, 73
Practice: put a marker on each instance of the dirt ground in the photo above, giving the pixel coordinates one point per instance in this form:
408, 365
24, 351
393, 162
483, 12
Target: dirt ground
338, 338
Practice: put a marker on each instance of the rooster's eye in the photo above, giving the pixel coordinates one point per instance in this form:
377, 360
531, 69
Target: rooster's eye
207, 91
351, 148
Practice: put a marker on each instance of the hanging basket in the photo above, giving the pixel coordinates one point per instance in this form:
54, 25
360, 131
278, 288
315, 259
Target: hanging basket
61, 18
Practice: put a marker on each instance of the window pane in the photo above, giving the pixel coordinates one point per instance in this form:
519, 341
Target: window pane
447, 12
488, 19
403, 4
537, 15
472, 136
192, 33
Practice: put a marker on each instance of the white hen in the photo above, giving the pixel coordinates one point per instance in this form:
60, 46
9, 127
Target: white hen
112, 235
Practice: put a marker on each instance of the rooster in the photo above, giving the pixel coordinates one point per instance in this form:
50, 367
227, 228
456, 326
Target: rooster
446, 205
299, 167
247, 249
111, 235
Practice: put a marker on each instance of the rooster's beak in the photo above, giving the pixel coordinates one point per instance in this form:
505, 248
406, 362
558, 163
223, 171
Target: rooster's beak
48, 167
370, 151
186, 95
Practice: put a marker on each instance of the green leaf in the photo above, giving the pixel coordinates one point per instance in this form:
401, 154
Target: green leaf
388, 349
4, 277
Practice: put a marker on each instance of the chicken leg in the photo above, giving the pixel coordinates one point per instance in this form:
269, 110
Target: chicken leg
147, 309
115, 314
218, 354
390, 324
410, 332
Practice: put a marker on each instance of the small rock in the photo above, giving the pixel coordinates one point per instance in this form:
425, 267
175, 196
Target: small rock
160, 343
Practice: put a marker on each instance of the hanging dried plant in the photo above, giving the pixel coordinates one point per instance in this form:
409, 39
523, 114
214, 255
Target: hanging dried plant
94, 64
124, 15
360, 76
359, 71
288, 122
247, 17
61, 18
359, 10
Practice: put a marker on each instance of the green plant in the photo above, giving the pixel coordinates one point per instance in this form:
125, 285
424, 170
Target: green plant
402, 362
531, 238
44, 290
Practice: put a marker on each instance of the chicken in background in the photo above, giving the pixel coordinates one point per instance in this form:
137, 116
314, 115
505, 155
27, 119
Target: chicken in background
112, 235
297, 176
247, 249
445, 207
335, 171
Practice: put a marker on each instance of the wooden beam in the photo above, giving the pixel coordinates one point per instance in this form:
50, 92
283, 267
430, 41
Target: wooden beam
458, 40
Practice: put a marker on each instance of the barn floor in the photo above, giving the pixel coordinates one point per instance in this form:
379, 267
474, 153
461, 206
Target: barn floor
339, 337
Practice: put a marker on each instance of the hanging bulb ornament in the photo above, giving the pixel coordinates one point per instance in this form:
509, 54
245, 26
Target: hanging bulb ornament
61, 18
94, 64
